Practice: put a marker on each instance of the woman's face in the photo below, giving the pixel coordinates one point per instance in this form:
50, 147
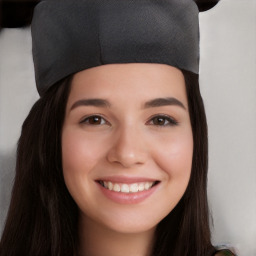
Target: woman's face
127, 144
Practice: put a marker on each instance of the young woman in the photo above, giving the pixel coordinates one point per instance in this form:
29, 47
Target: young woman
112, 159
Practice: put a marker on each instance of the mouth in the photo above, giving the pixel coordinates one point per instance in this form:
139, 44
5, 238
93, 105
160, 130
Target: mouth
128, 188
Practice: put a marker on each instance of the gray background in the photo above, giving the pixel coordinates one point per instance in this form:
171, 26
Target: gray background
228, 86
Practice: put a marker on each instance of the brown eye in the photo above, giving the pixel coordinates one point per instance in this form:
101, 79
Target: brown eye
159, 121
94, 120
163, 121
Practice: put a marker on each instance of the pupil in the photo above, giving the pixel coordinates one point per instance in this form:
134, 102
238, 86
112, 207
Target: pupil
159, 121
95, 120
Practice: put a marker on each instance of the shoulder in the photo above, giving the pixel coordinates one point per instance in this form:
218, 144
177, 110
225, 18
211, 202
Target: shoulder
224, 253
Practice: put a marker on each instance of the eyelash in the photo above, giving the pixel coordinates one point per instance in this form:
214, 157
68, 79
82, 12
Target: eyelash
87, 119
170, 121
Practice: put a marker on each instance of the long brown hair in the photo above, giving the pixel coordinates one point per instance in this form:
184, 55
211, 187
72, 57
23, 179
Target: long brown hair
42, 215
186, 230
42, 218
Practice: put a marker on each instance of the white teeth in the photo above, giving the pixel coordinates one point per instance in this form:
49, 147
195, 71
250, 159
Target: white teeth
134, 188
147, 185
116, 188
127, 188
109, 185
141, 187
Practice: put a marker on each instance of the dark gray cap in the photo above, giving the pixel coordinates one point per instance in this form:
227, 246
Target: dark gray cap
69, 36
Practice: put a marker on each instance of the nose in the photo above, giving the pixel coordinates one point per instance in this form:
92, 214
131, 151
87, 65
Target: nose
127, 148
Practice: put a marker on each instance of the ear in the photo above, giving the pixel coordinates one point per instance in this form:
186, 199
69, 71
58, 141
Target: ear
204, 5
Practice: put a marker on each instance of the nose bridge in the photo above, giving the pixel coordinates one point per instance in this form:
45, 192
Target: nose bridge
128, 148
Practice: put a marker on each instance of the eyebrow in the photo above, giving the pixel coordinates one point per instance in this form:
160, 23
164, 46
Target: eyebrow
91, 102
159, 102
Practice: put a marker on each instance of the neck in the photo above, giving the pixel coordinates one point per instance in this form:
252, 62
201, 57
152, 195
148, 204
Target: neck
98, 240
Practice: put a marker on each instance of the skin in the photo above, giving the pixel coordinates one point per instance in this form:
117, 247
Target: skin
128, 140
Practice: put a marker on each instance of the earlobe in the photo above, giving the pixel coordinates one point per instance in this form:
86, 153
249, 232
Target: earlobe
205, 5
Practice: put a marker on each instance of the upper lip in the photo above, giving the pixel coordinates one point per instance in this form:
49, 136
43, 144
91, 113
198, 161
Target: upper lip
126, 179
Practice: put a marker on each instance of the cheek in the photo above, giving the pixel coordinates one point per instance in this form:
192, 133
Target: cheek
80, 155
79, 151
174, 155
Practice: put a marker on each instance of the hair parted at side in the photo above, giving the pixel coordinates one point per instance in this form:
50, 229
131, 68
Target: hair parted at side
42, 218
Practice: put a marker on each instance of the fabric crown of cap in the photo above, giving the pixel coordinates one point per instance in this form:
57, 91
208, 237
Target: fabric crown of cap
69, 36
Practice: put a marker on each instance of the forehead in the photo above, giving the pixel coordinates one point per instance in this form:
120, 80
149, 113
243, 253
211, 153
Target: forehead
140, 81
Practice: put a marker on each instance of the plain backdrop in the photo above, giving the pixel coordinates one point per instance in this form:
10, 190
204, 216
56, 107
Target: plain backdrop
228, 86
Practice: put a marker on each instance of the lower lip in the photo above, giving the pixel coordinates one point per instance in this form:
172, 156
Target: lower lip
128, 198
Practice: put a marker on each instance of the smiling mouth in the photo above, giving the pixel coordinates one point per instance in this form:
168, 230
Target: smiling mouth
128, 188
